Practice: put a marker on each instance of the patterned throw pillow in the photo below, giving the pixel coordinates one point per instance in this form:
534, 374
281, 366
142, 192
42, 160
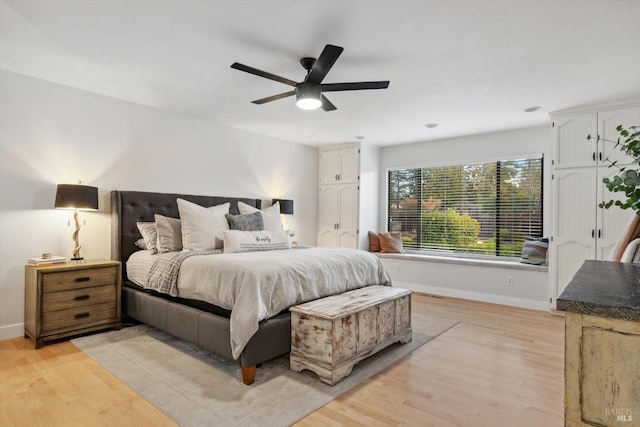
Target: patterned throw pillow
248, 222
149, 233
535, 250
270, 215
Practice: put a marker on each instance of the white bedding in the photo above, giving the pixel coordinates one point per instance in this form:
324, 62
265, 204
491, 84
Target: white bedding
259, 285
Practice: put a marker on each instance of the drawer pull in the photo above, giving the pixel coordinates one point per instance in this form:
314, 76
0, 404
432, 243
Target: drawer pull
83, 279
82, 315
82, 297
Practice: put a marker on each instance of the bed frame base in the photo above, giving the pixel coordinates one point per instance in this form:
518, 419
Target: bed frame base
206, 330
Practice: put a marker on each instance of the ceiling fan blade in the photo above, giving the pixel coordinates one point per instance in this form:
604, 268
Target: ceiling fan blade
323, 64
327, 105
264, 74
274, 97
334, 87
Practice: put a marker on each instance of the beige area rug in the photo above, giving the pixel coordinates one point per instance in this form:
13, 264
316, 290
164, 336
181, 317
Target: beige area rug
196, 388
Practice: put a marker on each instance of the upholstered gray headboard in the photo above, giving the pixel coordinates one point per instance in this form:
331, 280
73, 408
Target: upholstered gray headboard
130, 207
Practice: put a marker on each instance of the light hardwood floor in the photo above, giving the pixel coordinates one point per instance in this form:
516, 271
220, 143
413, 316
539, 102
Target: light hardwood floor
500, 366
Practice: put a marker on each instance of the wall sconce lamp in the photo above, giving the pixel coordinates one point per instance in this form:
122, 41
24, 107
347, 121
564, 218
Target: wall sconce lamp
286, 206
76, 197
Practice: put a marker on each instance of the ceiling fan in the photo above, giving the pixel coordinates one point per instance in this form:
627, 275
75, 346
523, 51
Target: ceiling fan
309, 92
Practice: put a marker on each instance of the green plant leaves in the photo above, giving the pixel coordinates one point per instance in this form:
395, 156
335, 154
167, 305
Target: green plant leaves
627, 180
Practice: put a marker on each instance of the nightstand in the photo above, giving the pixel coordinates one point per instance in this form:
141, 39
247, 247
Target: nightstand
71, 299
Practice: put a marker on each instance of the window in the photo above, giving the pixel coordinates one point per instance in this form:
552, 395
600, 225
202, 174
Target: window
481, 208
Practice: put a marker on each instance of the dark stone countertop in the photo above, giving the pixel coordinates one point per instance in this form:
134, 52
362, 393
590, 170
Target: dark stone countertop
603, 288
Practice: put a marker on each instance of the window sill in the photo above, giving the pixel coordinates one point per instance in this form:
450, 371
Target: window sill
508, 264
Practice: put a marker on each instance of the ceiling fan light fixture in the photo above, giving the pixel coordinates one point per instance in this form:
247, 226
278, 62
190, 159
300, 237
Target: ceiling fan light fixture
308, 96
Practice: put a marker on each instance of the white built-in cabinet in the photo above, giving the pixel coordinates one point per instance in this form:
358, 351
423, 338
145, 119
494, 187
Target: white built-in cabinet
582, 230
339, 196
339, 165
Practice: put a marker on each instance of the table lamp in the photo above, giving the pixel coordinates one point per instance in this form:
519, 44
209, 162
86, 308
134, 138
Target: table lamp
76, 197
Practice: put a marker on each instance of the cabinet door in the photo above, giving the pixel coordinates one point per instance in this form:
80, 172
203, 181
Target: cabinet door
349, 165
607, 123
328, 238
329, 166
348, 214
571, 148
329, 207
574, 227
348, 239
611, 222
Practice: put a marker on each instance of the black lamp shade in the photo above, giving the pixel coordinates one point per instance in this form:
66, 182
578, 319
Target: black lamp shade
76, 196
286, 206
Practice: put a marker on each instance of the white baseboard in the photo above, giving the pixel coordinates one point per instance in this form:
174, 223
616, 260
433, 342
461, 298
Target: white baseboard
12, 331
475, 296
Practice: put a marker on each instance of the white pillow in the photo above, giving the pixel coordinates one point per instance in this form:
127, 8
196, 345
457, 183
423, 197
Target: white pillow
270, 215
169, 234
202, 228
249, 241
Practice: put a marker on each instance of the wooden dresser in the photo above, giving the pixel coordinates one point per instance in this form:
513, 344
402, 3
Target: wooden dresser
330, 335
602, 345
71, 299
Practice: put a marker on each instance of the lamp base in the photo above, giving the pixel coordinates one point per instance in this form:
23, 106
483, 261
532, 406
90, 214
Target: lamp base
77, 258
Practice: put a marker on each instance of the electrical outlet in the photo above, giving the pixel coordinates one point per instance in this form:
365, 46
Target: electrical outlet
509, 280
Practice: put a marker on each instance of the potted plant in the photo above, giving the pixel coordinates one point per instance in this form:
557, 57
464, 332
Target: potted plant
628, 178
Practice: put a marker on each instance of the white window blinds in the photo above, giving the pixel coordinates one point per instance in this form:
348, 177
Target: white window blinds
482, 208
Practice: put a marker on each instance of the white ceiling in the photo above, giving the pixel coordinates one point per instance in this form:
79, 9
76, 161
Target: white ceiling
471, 66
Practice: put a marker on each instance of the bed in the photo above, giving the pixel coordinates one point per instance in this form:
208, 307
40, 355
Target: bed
214, 324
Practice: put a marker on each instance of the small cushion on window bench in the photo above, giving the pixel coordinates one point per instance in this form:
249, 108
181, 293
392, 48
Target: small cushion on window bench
391, 242
535, 250
374, 242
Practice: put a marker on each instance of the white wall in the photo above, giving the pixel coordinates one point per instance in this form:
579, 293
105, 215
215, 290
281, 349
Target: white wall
530, 288
52, 134
369, 193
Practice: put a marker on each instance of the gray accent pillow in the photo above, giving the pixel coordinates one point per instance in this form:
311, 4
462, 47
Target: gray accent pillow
247, 222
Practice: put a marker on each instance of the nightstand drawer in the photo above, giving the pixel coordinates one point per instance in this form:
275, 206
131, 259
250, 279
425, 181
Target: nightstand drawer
54, 301
79, 316
74, 279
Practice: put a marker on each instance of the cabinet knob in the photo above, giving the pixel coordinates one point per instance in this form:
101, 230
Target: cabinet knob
593, 156
83, 279
593, 233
